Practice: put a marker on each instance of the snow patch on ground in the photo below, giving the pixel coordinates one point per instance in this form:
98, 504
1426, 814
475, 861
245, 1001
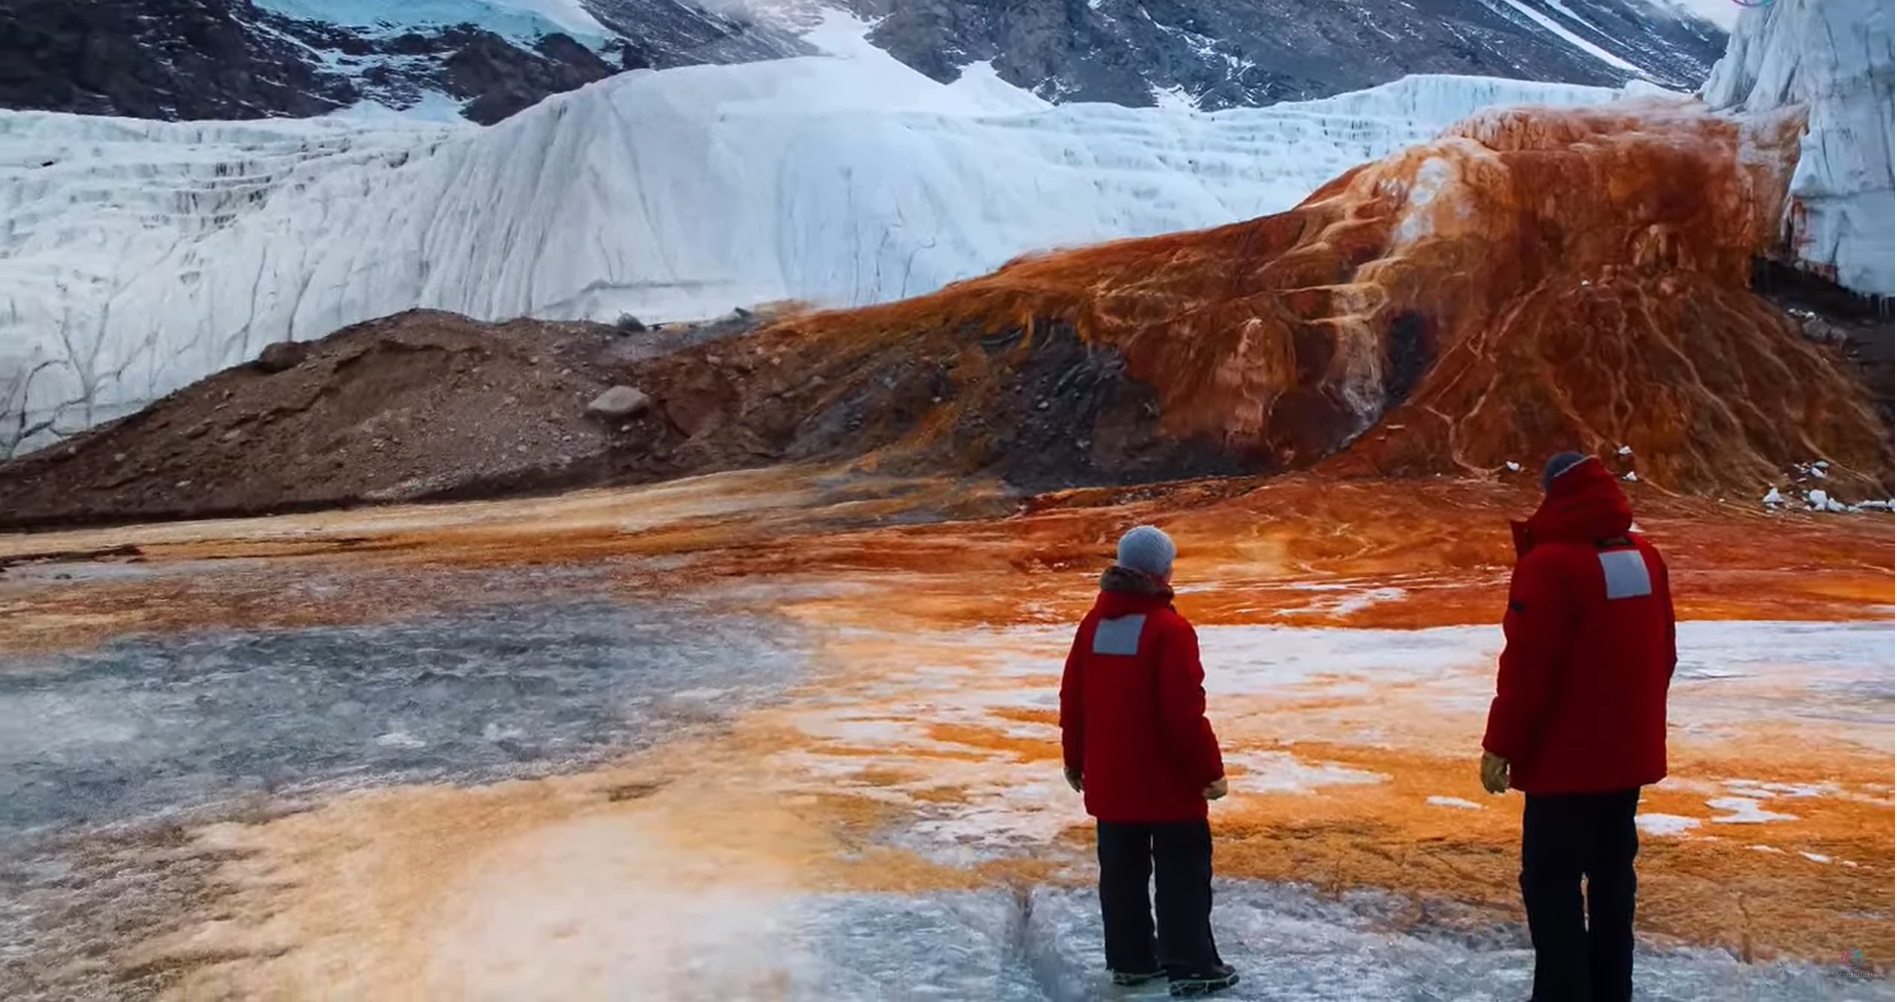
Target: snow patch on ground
1745, 811
1174, 99
985, 88
1765, 791
1665, 824
1455, 802
1282, 772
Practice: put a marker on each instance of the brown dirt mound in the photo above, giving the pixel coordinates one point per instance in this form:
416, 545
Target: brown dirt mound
410, 406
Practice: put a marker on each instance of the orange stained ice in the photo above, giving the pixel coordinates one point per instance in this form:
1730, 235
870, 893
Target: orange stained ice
927, 709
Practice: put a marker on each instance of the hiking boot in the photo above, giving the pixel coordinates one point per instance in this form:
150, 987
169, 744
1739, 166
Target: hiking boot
1134, 979
1198, 983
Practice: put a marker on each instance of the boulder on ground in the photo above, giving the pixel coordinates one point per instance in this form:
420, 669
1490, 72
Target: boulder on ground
282, 356
619, 402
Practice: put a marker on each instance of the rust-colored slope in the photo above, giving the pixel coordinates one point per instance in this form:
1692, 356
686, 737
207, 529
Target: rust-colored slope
1598, 296
1533, 280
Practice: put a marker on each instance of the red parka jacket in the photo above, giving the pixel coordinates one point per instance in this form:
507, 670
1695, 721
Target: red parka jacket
1132, 707
1580, 697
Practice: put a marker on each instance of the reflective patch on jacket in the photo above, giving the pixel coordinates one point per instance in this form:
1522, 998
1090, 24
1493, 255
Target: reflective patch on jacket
1626, 574
1119, 636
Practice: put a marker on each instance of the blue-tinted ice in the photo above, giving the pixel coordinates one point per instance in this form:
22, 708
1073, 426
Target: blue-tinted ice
153, 724
1040, 945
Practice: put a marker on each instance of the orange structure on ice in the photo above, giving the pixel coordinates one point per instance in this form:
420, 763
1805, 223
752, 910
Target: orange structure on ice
1533, 279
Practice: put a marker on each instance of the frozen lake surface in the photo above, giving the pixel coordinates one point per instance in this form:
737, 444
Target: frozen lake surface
103, 749
1288, 942
147, 725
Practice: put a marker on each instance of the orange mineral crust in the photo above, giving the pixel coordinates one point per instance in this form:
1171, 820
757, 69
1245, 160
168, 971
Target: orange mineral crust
1301, 550
1534, 279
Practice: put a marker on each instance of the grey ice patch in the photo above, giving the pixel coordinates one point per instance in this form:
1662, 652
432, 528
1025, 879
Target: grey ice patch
163, 722
1119, 636
1626, 574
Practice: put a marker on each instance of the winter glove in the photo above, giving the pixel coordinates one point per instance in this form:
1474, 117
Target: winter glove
1216, 789
1073, 780
1494, 773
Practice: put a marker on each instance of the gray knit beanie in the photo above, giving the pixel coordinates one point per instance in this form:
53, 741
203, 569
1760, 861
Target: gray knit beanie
1559, 463
1147, 550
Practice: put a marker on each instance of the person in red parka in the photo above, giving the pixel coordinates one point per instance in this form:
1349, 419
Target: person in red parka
1137, 745
1579, 722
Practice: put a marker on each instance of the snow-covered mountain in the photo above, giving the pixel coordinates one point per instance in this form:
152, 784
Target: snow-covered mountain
1834, 58
1230, 53
486, 59
137, 256
233, 59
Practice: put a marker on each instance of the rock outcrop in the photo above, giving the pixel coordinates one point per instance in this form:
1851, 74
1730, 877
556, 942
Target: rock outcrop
1236, 53
618, 402
233, 59
199, 59
172, 59
500, 79
282, 356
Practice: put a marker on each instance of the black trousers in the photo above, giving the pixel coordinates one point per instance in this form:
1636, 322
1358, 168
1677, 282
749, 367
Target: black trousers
1581, 957
1178, 857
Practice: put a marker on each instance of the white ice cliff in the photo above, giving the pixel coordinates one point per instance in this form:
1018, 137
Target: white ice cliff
1833, 57
138, 256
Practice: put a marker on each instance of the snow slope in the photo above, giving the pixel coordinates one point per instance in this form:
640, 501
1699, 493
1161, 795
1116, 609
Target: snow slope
1834, 57
1555, 28
138, 256
520, 20
1722, 13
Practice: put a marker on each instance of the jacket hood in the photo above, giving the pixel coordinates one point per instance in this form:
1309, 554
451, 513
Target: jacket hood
1583, 505
1124, 590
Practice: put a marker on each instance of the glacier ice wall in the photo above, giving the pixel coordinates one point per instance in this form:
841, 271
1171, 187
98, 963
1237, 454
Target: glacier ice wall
136, 256
1834, 57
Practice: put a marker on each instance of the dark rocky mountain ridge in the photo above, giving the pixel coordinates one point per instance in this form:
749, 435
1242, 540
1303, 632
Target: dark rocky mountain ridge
235, 59
1257, 52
